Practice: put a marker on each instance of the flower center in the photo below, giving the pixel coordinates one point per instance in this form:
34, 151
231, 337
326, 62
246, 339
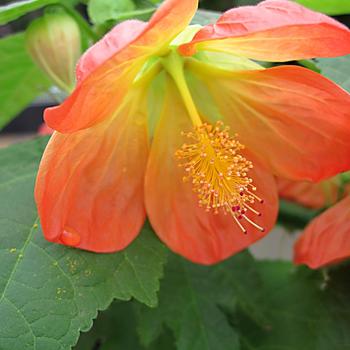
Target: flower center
212, 159
219, 173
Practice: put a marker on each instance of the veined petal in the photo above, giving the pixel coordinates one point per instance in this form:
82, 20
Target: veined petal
122, 35
172, 207
309, 194
326, 240
107, 70
274, 30
295, 121
89, 189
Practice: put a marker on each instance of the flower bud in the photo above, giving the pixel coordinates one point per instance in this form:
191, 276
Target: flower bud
54, 43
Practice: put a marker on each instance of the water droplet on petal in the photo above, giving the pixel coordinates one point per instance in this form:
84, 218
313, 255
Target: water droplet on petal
70, 237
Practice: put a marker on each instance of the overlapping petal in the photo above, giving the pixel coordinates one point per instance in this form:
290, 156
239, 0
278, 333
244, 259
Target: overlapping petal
326, 240
274, 30
295, 121
89, 189
107, 70
312, 195
172, 207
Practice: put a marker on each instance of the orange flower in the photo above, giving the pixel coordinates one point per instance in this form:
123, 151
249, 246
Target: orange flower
144, 132
326, 240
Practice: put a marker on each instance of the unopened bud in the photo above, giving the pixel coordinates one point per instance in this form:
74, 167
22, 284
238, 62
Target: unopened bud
54, 43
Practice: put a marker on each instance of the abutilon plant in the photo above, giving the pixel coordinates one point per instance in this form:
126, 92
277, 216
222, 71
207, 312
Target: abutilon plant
184, 124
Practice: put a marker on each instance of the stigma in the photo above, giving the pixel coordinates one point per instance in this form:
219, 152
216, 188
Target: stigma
219, 174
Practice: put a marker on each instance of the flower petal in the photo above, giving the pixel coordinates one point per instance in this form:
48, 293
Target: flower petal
173, 209
309, 194
89, 189
112, 43
326, 240
274, 30
295, 121
107, 70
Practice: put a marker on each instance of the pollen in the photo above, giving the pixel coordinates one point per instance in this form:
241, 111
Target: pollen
219, 174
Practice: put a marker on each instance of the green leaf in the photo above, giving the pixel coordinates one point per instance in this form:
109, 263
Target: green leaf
189, 304
155, 2
270, 305
242, 278
301, 309
336, 69
204, 17
104, 10
115, 328
21, 81
330, 7
48, 292
20, 8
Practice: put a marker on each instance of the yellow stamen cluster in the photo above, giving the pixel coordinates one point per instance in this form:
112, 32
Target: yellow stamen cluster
218, 172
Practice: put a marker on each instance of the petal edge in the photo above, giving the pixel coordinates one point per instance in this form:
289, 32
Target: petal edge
274, 30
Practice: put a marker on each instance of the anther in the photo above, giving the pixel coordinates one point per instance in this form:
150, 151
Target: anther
219, 173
